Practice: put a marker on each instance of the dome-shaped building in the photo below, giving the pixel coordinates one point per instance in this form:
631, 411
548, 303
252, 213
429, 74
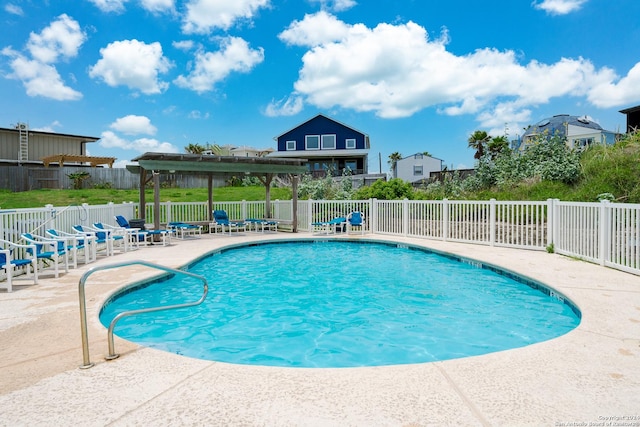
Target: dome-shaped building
578, 131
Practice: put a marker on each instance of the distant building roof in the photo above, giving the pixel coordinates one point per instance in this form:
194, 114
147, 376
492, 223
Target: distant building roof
557, 125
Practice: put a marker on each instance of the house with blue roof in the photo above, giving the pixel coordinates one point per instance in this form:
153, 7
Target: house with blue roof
329, 146
579, 132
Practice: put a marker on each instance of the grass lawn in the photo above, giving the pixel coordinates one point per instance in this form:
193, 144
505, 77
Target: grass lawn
41, 198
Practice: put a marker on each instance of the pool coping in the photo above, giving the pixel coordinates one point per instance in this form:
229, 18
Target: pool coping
587, 375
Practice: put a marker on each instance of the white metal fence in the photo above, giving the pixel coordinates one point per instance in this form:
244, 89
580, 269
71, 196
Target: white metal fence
605, 233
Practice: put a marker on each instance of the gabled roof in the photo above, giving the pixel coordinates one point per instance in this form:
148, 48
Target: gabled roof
557, 125
316, 116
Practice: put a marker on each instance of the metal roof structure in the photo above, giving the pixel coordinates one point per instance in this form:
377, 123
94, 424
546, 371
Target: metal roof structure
265, 168
557, 125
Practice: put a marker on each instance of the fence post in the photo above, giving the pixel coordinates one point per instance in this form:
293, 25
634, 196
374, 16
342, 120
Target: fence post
168, 212
309, 215
373, 215
445, 219
552, 221
492, 222
605, 225
405, 217
243, 210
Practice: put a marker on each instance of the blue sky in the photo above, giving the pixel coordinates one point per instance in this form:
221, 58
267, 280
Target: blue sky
415, 75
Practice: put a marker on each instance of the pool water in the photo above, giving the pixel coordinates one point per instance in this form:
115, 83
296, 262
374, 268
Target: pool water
341, 304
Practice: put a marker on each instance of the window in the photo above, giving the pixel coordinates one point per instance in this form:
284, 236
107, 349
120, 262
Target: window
417, 170
350, 144
351, 165
418, 156
312, 142
291, 145
328, 142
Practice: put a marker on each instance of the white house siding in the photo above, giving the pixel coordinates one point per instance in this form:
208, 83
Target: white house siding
405, 167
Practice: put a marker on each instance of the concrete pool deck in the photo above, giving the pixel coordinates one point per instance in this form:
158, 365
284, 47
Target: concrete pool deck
590, 375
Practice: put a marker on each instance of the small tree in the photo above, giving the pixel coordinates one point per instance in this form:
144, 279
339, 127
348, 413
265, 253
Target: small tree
78, 178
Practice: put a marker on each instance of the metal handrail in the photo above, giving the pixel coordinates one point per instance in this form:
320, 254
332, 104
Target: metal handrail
83, 305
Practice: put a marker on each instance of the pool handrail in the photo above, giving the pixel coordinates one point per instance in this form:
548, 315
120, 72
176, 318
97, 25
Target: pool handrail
83, 305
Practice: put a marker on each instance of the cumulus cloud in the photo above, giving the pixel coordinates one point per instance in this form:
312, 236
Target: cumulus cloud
61, 40
288, 106
13, 9
203, 16
109, 139
397, 70
116, 6
134, 64
134, 125
606, 93
184, 45
213, 67
315, 30
559, 7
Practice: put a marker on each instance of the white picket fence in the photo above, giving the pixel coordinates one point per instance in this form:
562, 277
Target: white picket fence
604, 233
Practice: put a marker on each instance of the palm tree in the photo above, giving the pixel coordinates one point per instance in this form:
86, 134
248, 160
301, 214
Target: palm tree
497, 145
194, 149
393, 160
477, 141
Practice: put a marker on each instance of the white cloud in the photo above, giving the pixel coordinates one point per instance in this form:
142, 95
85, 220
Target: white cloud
134, 125
134, 64
109, 139
116, 6
213, 67
197, 115
288, 106
39, 79
315, 30
559, 7
13, 9
48, 128
62, 38
335, 5
158, 6
606, 93
202, 16
184, 45
397, 70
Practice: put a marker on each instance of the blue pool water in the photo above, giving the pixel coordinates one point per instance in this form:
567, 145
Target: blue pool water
341, 304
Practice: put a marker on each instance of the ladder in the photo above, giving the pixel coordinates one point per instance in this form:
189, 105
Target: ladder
23, 154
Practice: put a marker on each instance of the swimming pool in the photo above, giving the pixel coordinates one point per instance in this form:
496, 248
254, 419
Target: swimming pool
324, 303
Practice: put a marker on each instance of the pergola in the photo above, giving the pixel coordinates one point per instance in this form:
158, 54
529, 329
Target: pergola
92, 160
264, 168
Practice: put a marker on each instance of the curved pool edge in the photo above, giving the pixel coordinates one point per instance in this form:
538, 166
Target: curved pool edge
582, 376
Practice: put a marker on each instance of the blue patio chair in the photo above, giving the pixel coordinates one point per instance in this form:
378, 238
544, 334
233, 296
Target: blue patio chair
120, 236
11, 265
328, 227
75, 243
355, 219
100, 239
221, 220
48, 250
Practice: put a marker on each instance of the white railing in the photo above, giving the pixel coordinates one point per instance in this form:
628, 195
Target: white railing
605, 233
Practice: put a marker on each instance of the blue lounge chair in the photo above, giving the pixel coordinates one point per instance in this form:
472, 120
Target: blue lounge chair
183, 229
122, 237
146, 236
221, 220
328, 227
12, 265
48, 250
100, 239
75, 243
355, 219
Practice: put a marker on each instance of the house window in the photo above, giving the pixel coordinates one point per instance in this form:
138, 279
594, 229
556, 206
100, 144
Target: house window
291, 145
328, 142
350, 144
417, 170
312, 142
418, 156
351, 165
